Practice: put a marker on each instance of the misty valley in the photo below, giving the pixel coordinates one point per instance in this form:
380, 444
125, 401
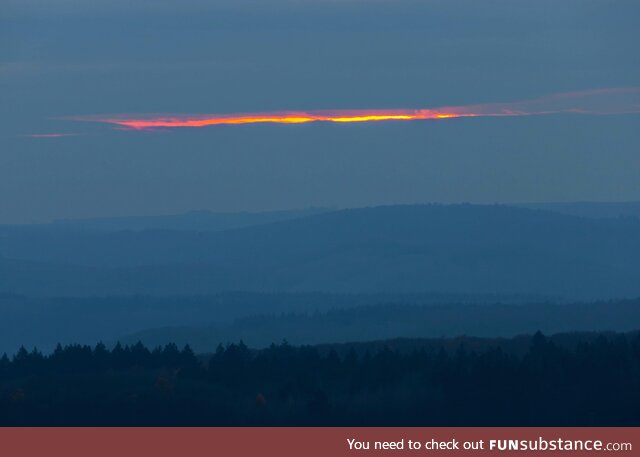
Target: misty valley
396, 315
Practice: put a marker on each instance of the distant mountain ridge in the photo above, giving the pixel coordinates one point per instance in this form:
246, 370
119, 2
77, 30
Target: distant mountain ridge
198, 221
594, 210
211, 221
468, 249
382, 322
44, 322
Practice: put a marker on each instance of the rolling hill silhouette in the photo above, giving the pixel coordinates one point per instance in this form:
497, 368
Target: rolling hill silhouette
394, 249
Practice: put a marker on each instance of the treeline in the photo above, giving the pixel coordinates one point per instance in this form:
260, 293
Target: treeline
596, 382
384, 321
45, 321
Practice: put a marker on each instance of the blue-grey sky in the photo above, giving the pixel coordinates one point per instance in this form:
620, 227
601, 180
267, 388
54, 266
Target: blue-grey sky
66, 58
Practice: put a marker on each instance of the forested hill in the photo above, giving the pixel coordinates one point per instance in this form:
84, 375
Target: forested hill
595, 210
381, 322
397, 249
533, 381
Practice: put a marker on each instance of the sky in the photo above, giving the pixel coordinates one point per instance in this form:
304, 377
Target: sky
67, 64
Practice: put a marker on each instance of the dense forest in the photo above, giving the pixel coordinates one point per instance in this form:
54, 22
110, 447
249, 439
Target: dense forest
592, 381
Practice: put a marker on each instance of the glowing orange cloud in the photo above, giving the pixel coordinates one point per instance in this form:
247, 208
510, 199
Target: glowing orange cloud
278, 118
598, 101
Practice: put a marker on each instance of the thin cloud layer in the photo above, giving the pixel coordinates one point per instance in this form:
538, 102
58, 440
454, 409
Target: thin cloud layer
50, 135
597, 102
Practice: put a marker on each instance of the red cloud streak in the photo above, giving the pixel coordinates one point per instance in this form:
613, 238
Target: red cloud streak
597, 101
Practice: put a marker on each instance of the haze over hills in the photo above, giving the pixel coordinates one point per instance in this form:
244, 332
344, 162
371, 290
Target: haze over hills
210, 221
406, 278
385, 321
198, 221
261, 319
467, 249
43, 322
595, 210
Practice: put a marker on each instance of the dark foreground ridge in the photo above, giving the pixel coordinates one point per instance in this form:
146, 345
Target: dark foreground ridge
569, 380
